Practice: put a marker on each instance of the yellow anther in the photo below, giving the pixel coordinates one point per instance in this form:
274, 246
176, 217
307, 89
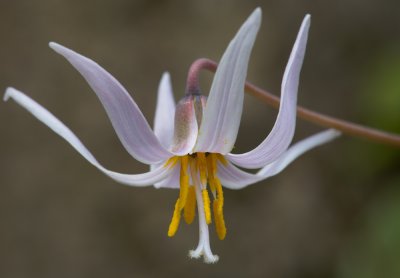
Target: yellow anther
184, 182
211, 183
190, 207
205, 168
184, 190
219, 220
171, 162
202, 164
220, 195
184, 164
212, 171
221, 158
212, 164
176, 218
206, 204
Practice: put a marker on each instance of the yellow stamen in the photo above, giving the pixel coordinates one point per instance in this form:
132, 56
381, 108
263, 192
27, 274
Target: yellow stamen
220, 195
183, 193
202, 164
218, 206
219, 220
212, 164
211, 183
190, 207
176, 218
206, 204
212, 171
221, 158
184, 164
184, 182
171, 162
206, 167
193, 165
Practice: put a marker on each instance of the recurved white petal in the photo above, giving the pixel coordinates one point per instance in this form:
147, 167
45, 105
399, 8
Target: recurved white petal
165, 112
282, 133
172, 181
58, 127
234, 178
221, 117
128, 121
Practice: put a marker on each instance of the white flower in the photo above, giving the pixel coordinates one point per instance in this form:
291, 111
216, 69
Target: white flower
191, 142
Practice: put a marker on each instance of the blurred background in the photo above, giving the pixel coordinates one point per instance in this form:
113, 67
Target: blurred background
333, 213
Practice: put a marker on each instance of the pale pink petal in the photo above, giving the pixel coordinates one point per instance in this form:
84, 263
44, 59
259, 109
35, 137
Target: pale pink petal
173, 179
58, 127
165, 112
234, 178
126, 117
221, 117
282, 133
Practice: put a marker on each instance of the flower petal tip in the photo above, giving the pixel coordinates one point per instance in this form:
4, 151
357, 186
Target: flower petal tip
256, 16
56, 47
53, 45
307, 20
8, 93
257, 12
166, 77
11, 93
335, 133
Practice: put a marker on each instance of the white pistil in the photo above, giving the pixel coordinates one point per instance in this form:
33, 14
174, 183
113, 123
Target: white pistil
203, 248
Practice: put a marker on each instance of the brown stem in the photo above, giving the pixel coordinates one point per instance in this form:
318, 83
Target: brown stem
304, 113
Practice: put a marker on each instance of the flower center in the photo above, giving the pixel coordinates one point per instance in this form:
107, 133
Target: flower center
198, 170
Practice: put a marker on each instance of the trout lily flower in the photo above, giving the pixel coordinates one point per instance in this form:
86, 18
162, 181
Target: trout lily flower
190, 145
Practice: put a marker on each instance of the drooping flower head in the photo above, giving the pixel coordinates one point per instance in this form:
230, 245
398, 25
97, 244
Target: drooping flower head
190, 145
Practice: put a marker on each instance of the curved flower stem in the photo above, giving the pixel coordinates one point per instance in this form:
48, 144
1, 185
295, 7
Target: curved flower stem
304, 113
192, 82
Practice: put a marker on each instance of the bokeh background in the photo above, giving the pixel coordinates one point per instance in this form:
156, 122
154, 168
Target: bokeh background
335, 212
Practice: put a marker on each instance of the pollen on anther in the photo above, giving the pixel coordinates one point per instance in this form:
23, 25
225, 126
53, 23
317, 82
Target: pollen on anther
184, 182
206, 203
190, 207
212, 172
219, 220
176, 218
171, 162
220, 195
222, 159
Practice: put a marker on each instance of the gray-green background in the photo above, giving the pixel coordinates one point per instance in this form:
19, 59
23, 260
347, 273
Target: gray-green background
333, 213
